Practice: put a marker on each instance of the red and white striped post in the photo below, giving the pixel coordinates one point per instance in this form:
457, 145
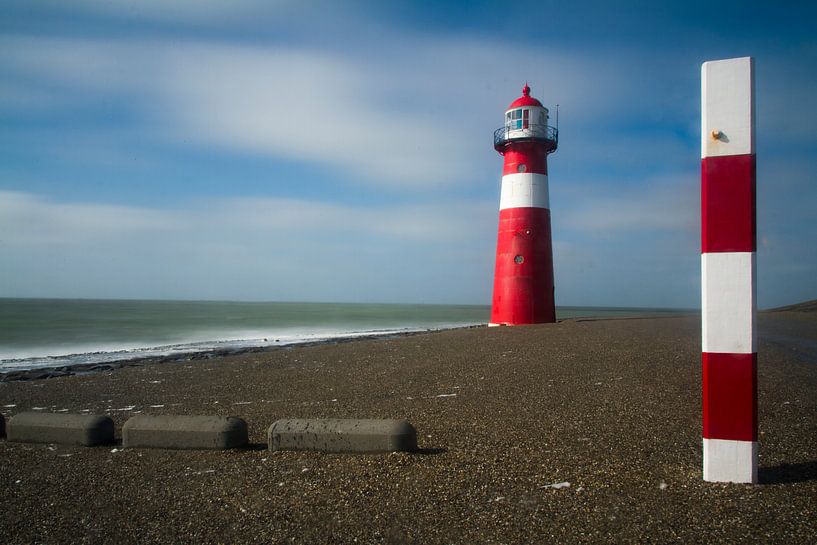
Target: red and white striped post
728, 271
523, 277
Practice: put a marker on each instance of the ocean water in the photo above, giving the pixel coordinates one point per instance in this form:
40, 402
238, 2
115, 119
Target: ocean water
37, 333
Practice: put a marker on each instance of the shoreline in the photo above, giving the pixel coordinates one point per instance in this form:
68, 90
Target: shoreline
54, 335
182, 357
131, 357
54, 371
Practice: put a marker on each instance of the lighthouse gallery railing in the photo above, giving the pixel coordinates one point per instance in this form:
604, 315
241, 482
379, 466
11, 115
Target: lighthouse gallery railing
540, 133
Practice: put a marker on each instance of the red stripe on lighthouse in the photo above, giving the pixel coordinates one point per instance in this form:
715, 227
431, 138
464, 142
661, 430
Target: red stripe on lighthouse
728, 204
525, 157
523, 278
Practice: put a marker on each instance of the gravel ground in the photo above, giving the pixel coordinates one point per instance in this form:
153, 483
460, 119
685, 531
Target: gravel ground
611, 407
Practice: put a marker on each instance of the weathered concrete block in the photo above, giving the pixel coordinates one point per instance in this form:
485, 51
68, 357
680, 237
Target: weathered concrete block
184, 432
67, 429
342, 435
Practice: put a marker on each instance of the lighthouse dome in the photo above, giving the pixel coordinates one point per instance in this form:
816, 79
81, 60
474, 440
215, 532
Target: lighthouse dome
525, 111
525, 99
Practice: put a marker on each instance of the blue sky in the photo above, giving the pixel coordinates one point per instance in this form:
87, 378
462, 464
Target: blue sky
341, 151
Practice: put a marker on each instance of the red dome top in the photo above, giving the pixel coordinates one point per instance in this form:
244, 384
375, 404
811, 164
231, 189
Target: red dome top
525, 99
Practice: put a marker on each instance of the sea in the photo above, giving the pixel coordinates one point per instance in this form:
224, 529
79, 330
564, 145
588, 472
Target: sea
49, 333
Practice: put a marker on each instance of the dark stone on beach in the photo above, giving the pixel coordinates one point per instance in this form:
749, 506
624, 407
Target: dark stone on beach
185, 432
68, 429
342, 435
35, 374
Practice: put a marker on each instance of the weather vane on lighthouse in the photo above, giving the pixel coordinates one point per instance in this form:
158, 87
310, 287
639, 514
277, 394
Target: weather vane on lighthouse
523, 278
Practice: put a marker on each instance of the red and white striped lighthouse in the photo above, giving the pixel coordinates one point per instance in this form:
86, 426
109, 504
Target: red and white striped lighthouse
523, 278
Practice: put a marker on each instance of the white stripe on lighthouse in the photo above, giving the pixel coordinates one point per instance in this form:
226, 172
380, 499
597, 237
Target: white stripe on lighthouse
524, 190
727, 279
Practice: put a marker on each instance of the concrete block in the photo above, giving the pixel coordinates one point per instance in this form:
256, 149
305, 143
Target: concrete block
184, 432
67, 429
342, 435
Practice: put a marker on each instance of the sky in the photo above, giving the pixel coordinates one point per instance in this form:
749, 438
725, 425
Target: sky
276, 150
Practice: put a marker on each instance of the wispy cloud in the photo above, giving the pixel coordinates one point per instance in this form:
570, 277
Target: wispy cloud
237, 247
416, 117
181, 11
28, 221
658, 204
309, 106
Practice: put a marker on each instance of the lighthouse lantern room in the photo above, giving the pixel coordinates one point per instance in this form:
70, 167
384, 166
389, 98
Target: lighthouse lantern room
523, 277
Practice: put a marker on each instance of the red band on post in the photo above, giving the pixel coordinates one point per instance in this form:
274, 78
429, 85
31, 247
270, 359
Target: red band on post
729, 396
728, 204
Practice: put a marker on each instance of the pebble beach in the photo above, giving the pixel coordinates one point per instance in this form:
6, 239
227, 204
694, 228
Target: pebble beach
583, 431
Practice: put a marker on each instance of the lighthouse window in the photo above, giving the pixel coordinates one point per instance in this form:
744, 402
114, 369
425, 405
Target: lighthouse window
541, 118
525, 119
517, 119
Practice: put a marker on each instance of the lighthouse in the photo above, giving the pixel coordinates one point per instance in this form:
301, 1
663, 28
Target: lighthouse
523, 277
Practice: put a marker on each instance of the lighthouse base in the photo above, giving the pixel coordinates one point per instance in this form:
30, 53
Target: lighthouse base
523, 278
492, 324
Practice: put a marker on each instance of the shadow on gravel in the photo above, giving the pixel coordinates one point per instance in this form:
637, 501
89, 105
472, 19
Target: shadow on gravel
788, 473
430, 451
